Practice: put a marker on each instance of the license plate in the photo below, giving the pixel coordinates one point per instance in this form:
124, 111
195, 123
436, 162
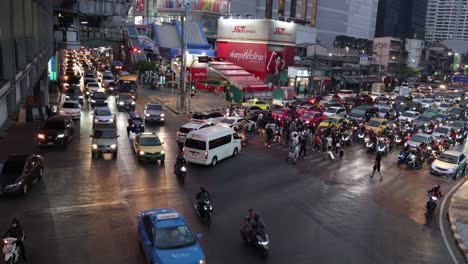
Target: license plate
50, 143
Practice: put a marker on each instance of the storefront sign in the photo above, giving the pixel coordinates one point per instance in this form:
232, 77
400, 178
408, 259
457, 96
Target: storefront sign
257, 29
199, 73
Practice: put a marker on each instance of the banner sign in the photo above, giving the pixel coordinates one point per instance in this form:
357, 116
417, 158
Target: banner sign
199, 73
210, 6
257, 29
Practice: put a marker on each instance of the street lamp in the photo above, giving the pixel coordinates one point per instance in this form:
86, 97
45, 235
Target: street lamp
393, 57
450, 54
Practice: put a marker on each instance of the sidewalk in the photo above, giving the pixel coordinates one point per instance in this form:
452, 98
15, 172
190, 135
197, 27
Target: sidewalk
458, 218
201, 102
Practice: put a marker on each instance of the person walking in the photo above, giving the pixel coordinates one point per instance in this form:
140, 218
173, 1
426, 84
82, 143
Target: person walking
378, 158
317, 142
303, 142
269, 135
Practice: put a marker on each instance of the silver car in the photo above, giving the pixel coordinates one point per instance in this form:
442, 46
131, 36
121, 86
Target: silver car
450, 163
154, 112
104, 141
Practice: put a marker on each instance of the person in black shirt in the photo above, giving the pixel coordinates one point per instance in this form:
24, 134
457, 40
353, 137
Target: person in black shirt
378, 158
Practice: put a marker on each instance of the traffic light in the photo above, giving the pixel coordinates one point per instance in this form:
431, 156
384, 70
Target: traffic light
203, 59
436, 73
193, 85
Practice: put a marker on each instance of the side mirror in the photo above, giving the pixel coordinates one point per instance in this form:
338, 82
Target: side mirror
198, 236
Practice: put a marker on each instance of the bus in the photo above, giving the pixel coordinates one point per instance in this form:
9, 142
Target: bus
128, 84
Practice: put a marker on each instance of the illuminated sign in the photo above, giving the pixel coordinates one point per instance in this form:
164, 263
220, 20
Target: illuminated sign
257, 29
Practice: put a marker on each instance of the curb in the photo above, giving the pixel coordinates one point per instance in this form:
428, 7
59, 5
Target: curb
456, 234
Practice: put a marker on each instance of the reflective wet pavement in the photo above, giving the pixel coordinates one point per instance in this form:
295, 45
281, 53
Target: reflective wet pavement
317, 211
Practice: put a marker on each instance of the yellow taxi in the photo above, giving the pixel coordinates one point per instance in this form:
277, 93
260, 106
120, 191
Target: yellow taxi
256, 102
336, 121
378, 125
148, 146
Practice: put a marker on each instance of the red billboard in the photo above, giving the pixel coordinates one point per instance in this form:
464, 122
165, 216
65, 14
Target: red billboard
199, 74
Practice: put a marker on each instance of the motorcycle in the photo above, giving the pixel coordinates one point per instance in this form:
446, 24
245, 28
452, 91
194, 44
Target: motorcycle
398, 139
181, 172
11, 250
261, 241
431, 204
402, 157
382, 147
361, 136
370, 147
205, 212
413, 163
346, 139
459, 139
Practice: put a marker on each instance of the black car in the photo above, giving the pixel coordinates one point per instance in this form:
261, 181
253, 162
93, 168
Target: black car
135, 123
443, 119
125, 101
363, 113
425, 123
400, 109
57, 130
98, 99
19, 172
401, 100
75, 94
457, 113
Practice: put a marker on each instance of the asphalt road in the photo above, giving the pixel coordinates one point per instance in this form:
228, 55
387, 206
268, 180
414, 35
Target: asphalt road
317, 211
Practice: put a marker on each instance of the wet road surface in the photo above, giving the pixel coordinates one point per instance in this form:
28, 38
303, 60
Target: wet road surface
318, 211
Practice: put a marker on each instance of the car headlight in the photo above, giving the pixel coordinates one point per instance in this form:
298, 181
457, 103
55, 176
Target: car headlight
121, 103
147, 114
80, 97
105, 101
67, 97
183, 168
133, 103
113, 146
62, 112
163, 114
96, 120
450, 170
14, 186
60, 135
93, 101
111, 120
201, 261
41, 136
87, 92
141, 153
162, 152
94, 146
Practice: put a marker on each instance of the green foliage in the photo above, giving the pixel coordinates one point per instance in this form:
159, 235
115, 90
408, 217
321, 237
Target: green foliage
407, 71
143, 66
342, 42
212, 81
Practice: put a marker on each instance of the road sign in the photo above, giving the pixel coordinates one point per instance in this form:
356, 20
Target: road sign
462, 79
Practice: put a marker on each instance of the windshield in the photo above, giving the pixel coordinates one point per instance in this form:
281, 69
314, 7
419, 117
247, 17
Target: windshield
455, 111
423, 118
418, 138
448, 158
105, 133
374, 123
426, 101
331, 110
408, 114
228, 121
331, 120
195, 144
93, 85
73, 91
13, 167
108, 77
54, 125
71, 105
99, 96
154, 107
125, 97
358, 112
150, 141
432, 110
384, 110
174, 237
458, 124
103, 112
442, 130
310, 115
445, 105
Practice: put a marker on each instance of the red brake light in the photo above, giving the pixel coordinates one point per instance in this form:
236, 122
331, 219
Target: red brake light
206, 154
177, 134
183, 150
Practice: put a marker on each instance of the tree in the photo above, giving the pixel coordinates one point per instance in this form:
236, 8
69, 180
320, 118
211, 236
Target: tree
408, 72
143, 66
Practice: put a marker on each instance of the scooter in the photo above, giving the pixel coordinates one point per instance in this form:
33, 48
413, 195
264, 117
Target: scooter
181, 172
382, 147
431, 204
346, 139
413, 163
370, 147
261, 241
361, 136
205, 212
11, 250
402, 157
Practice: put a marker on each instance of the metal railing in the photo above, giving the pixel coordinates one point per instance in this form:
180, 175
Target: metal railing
107, 33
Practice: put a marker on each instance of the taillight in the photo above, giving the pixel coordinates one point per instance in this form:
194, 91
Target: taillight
177, 134
206, 154
183, 150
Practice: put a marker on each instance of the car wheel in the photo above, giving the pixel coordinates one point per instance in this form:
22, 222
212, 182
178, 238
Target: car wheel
25, 189
214, 161
235, 152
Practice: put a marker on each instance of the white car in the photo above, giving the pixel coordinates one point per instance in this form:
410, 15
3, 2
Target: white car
335, 110
108, 79
93, 87
103, 115
438, 101
236, 121
408, 116
427, 103
444, 107
185, 129
71, 108
416, 140
442, 131
210, 118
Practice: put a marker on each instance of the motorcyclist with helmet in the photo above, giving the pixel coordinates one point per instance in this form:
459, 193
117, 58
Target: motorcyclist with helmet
16, 231
201, 197
253, 225
435, 191
180, 161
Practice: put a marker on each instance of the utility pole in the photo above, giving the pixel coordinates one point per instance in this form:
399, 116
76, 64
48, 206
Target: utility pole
183, 72
345, 66
381, 46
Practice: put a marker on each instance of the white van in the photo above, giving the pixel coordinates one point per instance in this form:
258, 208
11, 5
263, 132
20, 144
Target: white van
210, 145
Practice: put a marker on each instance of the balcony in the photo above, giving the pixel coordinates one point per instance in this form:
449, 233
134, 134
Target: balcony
66, 39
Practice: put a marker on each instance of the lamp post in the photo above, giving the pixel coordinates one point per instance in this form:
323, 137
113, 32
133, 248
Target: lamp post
346, 65
183, 72
315, 65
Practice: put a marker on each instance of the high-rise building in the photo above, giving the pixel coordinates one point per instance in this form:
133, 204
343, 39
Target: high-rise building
401, 18
447, 20
354, 18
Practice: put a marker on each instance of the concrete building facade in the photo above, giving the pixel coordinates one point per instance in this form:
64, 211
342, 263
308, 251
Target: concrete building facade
26, 45
389, 54
447, 20
414, 47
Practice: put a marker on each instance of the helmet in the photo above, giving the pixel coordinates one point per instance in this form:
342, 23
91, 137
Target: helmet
203, 189
437, 186
15, 221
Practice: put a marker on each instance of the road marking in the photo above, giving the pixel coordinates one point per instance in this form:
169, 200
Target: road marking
444, 236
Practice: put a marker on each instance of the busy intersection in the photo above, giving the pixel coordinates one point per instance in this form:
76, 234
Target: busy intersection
85, 209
